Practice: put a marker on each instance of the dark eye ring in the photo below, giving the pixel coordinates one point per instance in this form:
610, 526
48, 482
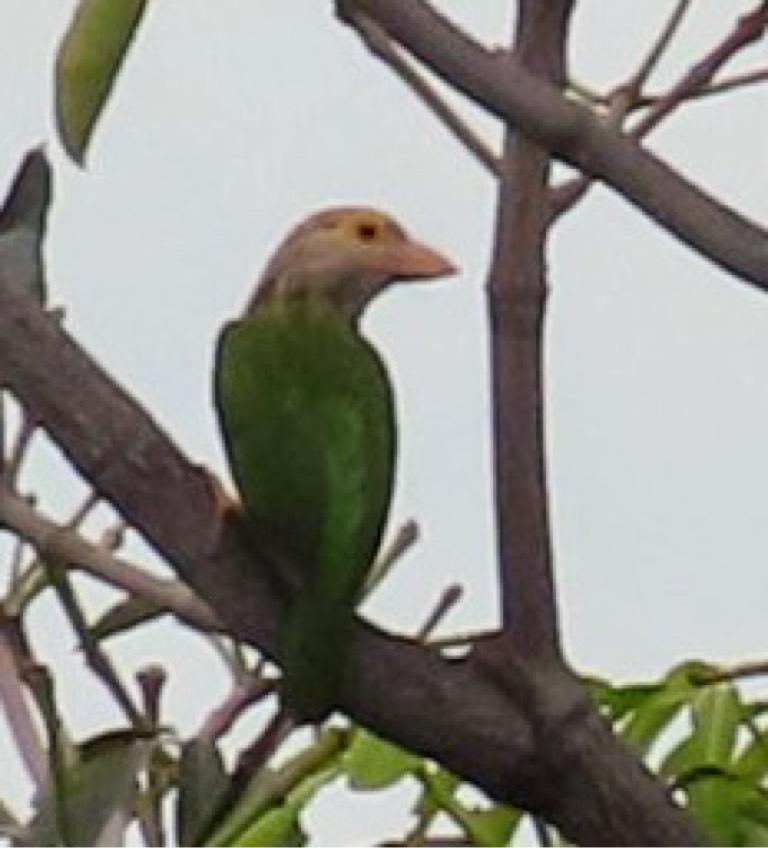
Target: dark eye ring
367, 232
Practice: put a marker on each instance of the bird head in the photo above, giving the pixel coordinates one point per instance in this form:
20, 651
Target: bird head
346, 256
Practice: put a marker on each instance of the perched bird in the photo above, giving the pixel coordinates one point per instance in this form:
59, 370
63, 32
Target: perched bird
307, 417
22, 225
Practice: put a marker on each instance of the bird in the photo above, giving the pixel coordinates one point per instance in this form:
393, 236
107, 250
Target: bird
23, 223
307, 417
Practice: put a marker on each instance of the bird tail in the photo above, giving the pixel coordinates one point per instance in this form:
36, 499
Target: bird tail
315, 643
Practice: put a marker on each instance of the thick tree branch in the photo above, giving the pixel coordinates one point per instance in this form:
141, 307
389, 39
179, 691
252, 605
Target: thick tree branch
516, 301
532, 739
571, 132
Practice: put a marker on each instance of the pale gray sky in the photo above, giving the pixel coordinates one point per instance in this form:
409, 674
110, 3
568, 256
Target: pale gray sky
232, 119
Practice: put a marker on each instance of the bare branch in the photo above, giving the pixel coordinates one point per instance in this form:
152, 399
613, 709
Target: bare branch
18, 451
52, 541
96, 657
749, 28
637, 82
246, 691
695, 84
376, 40
571, 132
15, 706
516, 300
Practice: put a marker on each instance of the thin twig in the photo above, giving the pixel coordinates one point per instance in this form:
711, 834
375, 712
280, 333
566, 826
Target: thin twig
450, 596
246, 692
151, 681
90, 502
733, 83
696, 83
18, 449
17, 561
405, 538
722, 86
53, 541
721, 674
95, 655
381, 46
748, 29
23, 727
638, 80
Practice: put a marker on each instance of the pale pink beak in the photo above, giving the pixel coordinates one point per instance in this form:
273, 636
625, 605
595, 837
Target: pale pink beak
411, 260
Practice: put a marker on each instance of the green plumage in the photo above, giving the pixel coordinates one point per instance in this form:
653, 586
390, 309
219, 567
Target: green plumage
306, 411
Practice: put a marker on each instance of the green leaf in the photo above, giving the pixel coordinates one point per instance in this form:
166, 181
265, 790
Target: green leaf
277, 827
494, 826
753, 760
440, 784
88, 61
657, 710
729, 810
716, 714
490, 826
755, 807
203, 782
373, 763
620, 701
99, 785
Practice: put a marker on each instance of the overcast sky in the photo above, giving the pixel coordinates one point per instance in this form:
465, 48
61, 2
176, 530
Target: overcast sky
233, 119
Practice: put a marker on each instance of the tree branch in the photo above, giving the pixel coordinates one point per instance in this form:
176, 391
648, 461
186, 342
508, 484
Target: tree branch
66, 545
535, 740
575, 135
748, 29
377, 41
516, 301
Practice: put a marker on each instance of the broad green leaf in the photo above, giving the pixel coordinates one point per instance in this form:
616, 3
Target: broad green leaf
277, 827
88, 61
203, 782
657, 710
493, 826
716, 715
100, 784
373, 763
726, 808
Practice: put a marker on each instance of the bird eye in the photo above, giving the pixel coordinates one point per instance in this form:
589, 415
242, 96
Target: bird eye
367, 231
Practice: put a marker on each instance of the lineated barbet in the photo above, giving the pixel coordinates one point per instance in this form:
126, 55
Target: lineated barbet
307, 416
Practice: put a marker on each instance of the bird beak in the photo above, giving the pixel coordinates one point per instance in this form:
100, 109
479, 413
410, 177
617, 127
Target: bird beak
412, 260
